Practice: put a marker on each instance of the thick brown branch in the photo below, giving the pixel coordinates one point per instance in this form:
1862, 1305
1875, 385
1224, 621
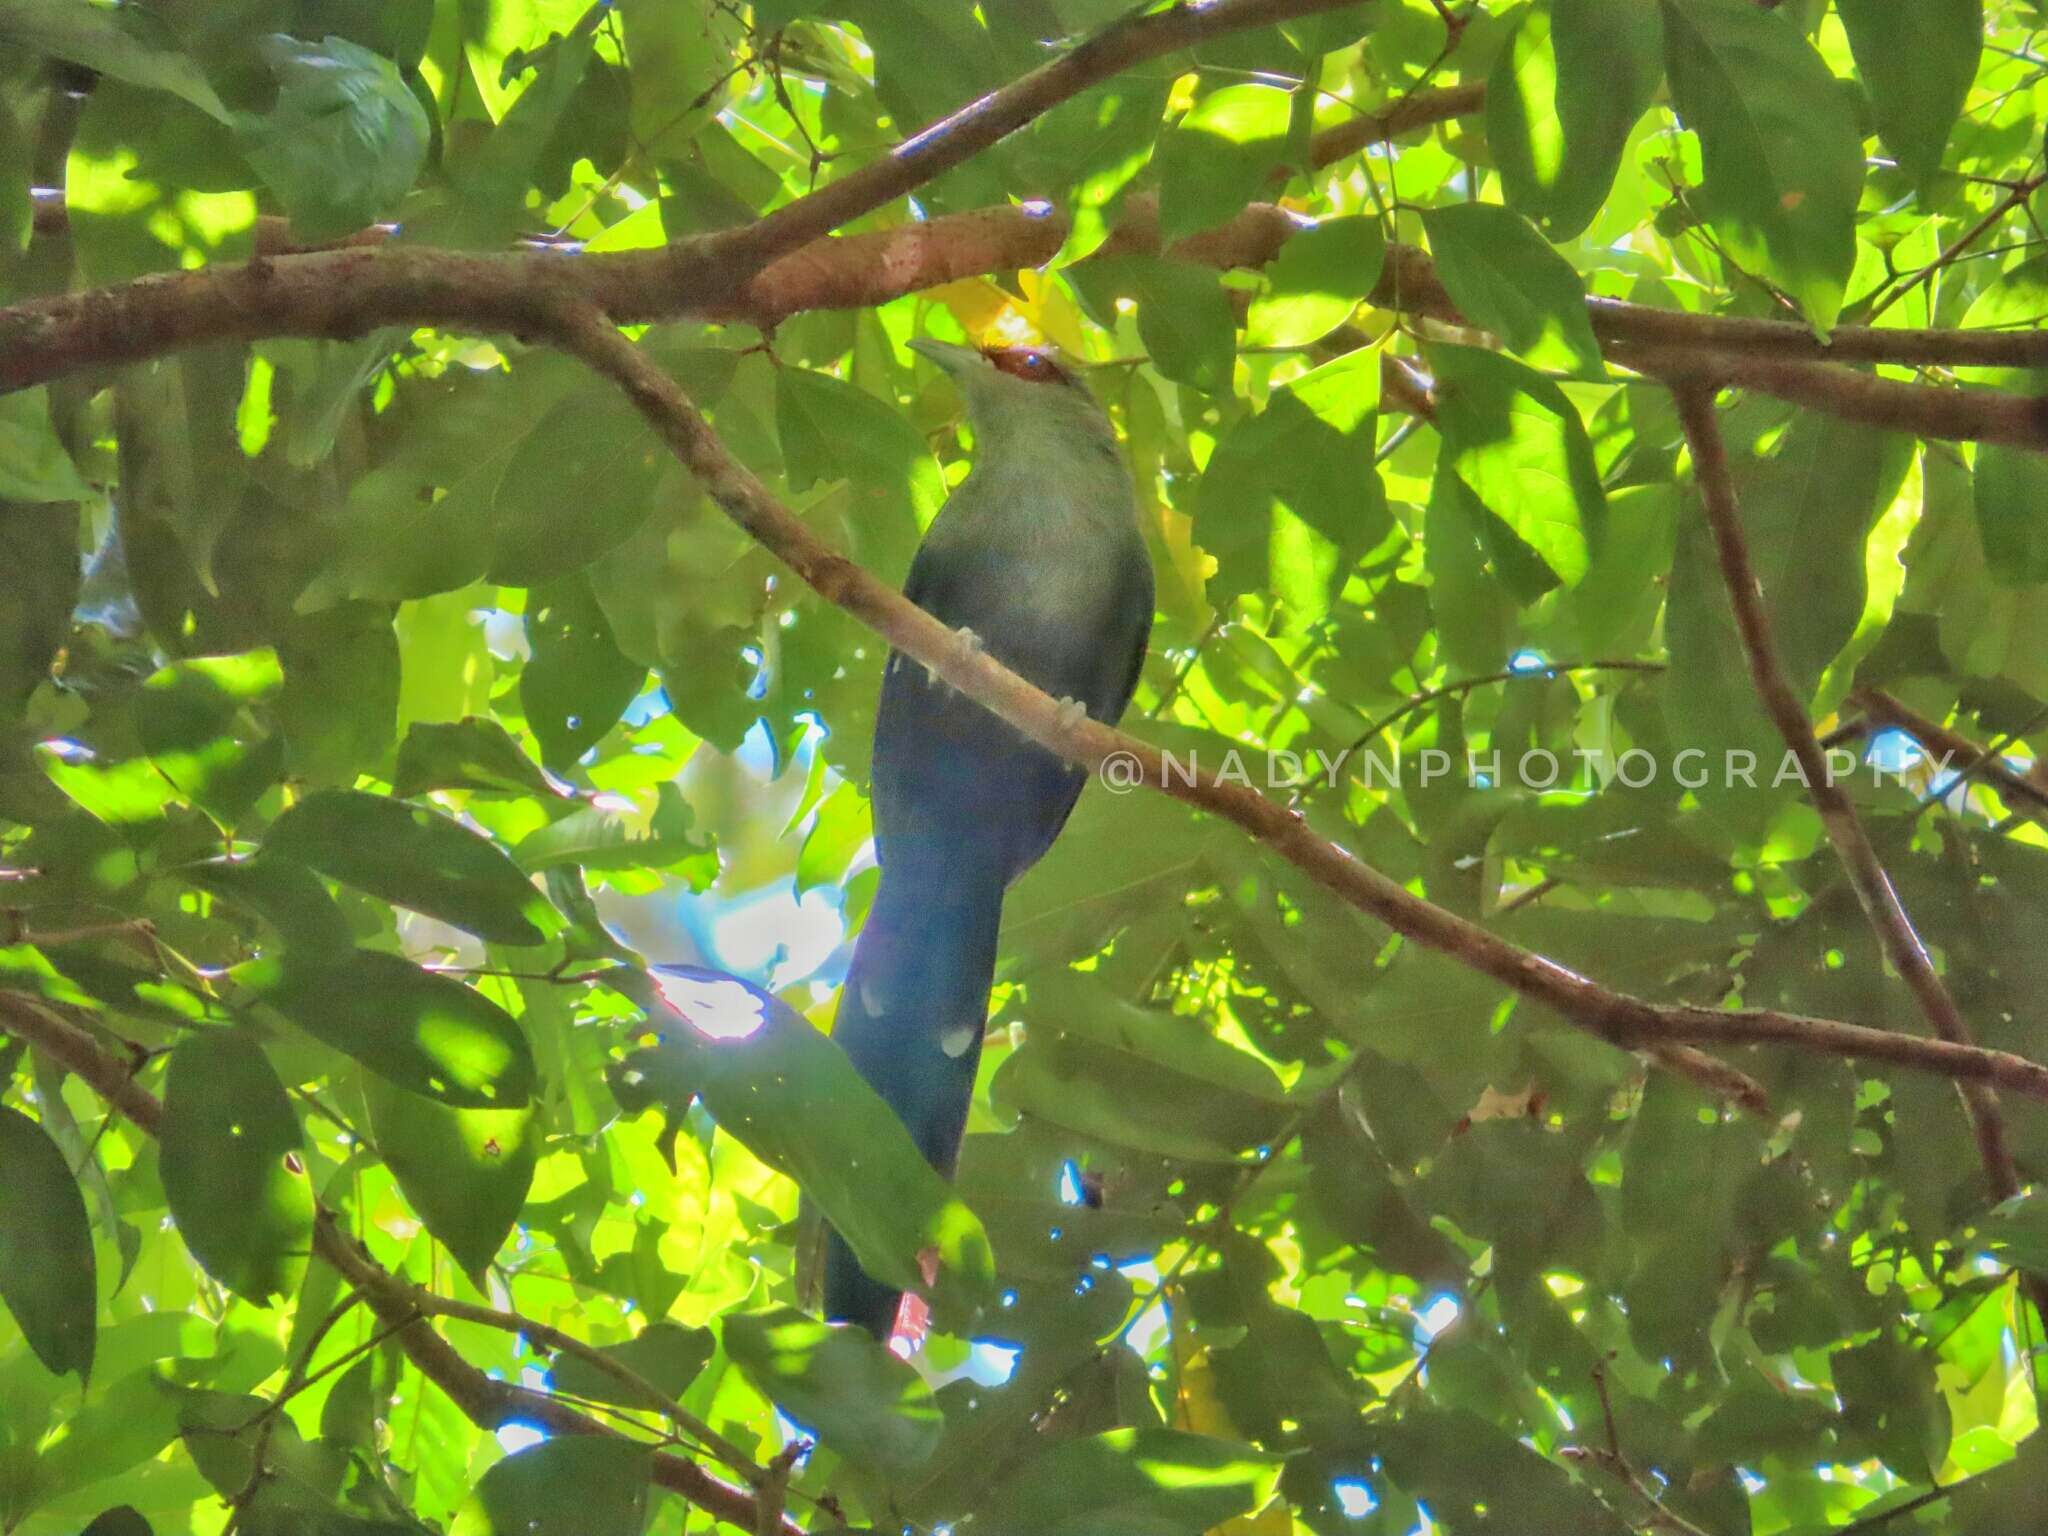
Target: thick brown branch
1873, 887
398, 1304
759, 278
1921, 410
1668, 1032
343, 293
1788, 341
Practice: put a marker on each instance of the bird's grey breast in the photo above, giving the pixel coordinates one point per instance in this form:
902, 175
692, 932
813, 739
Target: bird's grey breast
1053, 554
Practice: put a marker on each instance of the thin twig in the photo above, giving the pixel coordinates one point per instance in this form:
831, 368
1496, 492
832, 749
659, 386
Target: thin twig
639, 1386
2021, 191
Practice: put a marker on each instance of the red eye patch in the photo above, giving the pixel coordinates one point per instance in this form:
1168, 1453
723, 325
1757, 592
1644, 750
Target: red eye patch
1026, 363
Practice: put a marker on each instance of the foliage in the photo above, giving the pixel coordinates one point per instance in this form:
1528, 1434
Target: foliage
412, 700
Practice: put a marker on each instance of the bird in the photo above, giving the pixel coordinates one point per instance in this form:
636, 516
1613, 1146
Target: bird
1037, 558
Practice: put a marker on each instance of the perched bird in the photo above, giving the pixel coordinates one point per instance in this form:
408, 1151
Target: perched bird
1036, 558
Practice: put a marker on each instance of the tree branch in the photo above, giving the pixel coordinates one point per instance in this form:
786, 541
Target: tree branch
649, 1395
774, 268
397, 1303
1873, 887
347, 292
577, 301
1921, 410
1667, 1031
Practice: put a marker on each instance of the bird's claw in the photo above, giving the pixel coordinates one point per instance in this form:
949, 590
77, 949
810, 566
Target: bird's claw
966, 645
1071, 713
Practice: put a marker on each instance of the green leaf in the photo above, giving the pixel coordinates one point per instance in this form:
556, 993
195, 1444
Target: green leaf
577, 683
1709, 703
227, 1133
855, 1395
192, 718
17, 206
1783, 157
122, 1520
287, 896
593, 452
494, 178
665, 1355
1085, 152
1508, 280
1561, 101
422, 1031
465, 1171
1619, 595
33, 463
1131, 1100
595, 839
128, 1425
1216, 158
579, 1485
119, 794
1157, 1482
88, 35
1137, 1077
417, 858
339, 708
1320, 276
345, 140
1516, 442
1808, 510
39, 544
472, 753
830, 430
793, 1098
1889, 1395
1465, 1468
2011, 484
400, 535
1306, 459
47, 1274
1918, 62
1473, 620
674, 58
2017, 1229
1184, 316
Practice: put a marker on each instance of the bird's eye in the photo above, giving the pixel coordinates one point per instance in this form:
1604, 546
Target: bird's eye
1023, 363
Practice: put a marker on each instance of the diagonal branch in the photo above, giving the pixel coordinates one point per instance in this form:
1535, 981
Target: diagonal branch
1668, 1031
2020, 792
397, 1303
1873, 887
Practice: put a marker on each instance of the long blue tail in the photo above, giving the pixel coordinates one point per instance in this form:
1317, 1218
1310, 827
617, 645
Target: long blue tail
911, 1017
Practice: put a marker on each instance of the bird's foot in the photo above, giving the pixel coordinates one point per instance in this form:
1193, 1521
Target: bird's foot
1071, 713
966, 645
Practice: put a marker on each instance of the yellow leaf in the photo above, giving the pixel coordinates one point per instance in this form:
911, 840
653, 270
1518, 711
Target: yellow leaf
975, 302
1055, 315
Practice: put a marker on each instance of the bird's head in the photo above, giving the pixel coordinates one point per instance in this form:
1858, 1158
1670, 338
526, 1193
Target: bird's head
1019, 389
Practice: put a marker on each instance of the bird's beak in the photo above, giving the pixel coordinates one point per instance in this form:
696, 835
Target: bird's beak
949, 357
